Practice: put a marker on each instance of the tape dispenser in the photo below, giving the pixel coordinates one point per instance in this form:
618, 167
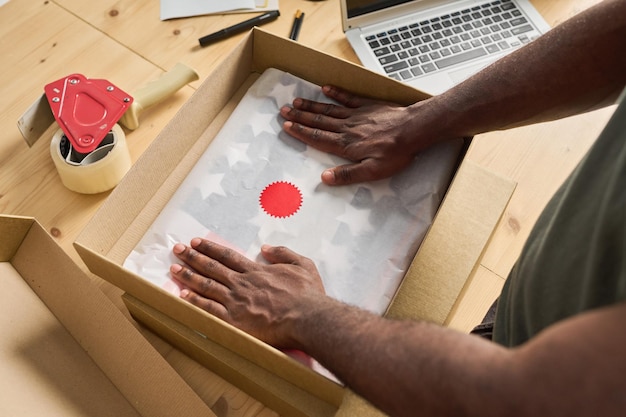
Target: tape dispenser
89, 149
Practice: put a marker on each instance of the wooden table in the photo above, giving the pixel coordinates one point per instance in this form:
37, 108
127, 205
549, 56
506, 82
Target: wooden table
124, 42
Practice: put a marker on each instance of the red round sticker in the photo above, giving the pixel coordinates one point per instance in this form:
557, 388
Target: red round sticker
281, 199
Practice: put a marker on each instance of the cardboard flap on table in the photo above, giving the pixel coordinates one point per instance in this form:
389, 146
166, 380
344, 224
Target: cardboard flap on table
457, 238
66, 348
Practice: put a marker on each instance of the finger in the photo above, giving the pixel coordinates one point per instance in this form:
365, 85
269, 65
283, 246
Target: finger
318, 138
317, 115
224, 255
203, 264
326, 109
208, 305
347, 98
283, 255
366, 170
200, 284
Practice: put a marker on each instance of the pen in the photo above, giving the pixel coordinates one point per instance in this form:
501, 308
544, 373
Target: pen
239, 27
297, 24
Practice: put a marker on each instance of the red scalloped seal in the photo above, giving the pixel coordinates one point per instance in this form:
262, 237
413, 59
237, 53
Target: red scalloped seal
281, 199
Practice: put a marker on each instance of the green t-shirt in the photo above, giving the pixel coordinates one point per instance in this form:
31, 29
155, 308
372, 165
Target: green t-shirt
575, 257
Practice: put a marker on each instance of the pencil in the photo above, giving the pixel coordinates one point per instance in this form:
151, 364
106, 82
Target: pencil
297, 24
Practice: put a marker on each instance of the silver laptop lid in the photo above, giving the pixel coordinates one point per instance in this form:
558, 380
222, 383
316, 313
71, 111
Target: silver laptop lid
359, 13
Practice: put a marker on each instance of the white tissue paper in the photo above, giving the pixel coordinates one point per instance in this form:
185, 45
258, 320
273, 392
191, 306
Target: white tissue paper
255, 184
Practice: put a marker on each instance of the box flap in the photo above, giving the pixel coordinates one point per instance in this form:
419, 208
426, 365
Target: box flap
144, 378
13, 230
275, 392
453, 246
39, 360
321, 69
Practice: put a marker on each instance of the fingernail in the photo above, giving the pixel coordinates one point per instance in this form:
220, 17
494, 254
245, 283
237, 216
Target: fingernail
297, 102
176, 268
287, 125
195, 241
184, 293
328, 177
178, 248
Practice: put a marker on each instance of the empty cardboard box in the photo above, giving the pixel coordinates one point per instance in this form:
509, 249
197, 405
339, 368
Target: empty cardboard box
450, 252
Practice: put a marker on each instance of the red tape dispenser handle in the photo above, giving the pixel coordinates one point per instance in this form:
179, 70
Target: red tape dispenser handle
86, 109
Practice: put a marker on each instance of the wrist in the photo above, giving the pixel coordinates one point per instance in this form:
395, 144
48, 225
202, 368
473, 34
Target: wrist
429, 124
310, 322
444, 117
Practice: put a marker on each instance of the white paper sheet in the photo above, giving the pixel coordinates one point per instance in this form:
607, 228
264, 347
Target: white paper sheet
173, 9
362, 237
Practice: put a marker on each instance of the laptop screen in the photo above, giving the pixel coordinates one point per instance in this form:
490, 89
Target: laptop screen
361, 7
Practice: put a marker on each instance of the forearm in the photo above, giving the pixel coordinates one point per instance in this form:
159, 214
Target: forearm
415, 368
405, 367
578, 66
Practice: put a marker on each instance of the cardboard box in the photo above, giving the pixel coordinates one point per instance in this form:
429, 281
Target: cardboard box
65, 348
447, 257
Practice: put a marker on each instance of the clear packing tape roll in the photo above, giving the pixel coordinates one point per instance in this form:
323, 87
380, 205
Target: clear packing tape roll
97, 171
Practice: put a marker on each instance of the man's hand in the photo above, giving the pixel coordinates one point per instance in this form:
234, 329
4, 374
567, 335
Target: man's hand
380, 138
261, 299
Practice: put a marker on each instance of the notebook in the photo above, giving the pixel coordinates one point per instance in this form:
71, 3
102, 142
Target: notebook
434, 44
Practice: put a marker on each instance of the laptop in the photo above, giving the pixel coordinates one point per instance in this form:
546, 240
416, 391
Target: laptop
433, 45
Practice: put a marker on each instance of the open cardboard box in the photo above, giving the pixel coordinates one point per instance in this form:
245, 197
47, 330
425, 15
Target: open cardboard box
447, 257
66, 349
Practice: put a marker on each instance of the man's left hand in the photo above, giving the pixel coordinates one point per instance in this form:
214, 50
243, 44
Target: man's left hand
261, 299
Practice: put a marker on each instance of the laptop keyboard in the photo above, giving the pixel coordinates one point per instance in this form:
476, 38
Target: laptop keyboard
415, 50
